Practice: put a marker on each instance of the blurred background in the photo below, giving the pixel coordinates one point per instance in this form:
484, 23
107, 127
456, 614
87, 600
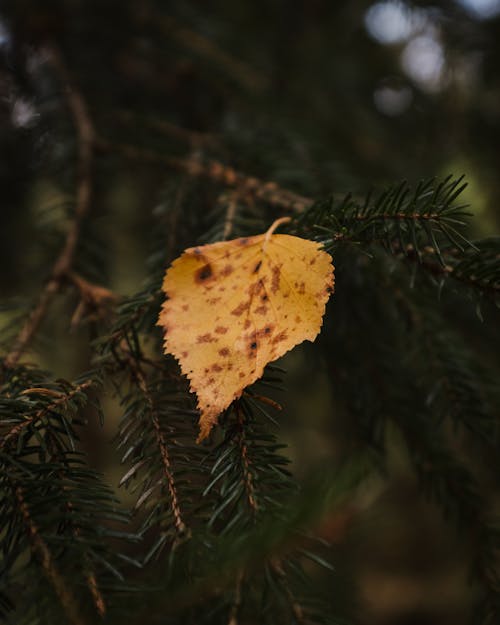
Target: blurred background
317, 96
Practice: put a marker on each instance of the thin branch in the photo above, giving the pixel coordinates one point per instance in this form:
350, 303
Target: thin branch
399, 217
235, 607
247, 474
191, 137
40, 414
90, 577
40, 548
438, 269
232, 204
138, 374
63, 263
268, 192
297, 610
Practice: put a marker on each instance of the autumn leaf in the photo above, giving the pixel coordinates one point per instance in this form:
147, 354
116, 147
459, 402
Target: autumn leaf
234, 306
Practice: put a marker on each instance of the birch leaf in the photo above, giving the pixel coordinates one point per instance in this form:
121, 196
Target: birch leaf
234, 306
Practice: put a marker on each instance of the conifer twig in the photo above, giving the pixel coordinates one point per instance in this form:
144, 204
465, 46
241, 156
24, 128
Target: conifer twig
192, 138
64, 399
297, 610
63, 263
268, 192
230, 215
247, 474
235, 607
139, 376
40, 548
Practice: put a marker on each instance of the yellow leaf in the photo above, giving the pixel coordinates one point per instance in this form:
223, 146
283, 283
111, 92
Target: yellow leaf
234, 306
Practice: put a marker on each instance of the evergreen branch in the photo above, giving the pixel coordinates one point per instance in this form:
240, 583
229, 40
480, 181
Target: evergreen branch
247, 474
236, 605
397, 218
62, 266
267, 192
61, 402
138, 374
477, 268
46, 560
297, 610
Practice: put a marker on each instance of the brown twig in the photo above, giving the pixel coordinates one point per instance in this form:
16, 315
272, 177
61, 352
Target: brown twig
265, 400
297, 610
63, 399
94, 299
232, 204
15, 432
190, 137
235, 607
268, 192
247, 474
63, 263
40, 549
139, 376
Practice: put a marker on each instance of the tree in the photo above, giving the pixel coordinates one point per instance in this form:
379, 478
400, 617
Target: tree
131, 132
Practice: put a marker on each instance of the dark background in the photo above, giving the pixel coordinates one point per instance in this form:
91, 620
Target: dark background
318, 96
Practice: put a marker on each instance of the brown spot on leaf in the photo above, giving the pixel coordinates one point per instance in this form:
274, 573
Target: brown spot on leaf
185, 307
298, 319
256, 287
210, 381
213, 300
203, 273
261, 310
224, 351
205, 338
247, 323
227, 271
275, 283
216, 367
282, 336
257, 267
221, 330
185, 354
241, 374
240, 309
243, 241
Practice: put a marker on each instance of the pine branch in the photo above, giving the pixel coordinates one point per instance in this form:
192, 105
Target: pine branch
396, 218
297, 610
62, 401
267, 192
46, 560
137, 373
